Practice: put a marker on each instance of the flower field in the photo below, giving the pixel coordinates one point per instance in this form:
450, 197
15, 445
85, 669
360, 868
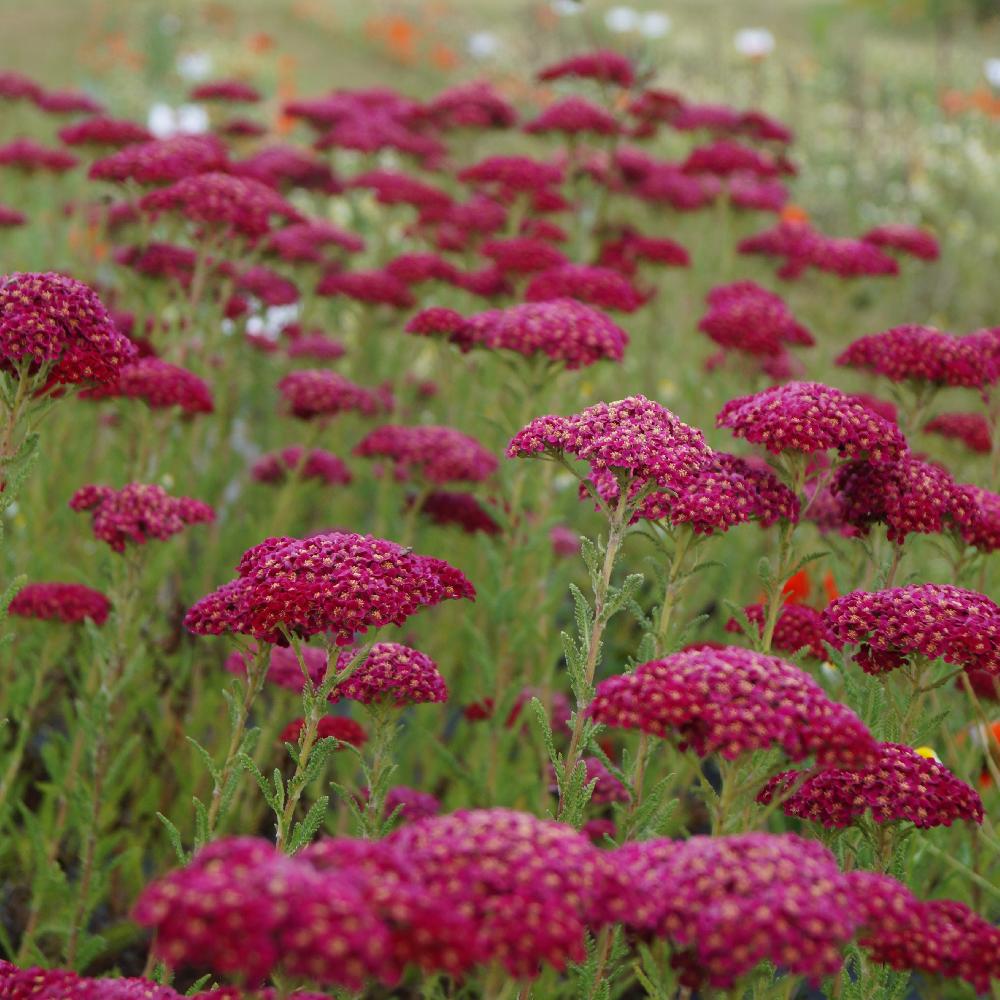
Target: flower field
505, 507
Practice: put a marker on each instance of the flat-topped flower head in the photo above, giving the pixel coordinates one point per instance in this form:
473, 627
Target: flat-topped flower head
315, 345
799, 627
729, 903
596, 286
743, 316
902, 785
113, 133
626, 252
337, 583
603, 65
635, 437
49, 984
11, 218
939, 937
911, 240
907, 495
522, 254
412, 804
63, 602
972, 429
435, 454
138, 513
277, 466
338, 727
509, 175
924, 354
928, 620
391, 673
460, 509
726, 156
417, 268
976, 514
811, 417
377, 288
50, 319
227, 91
394, 188
310, 242
573, 116
727, 491
30, 156
160, 385
162, 161
220, 201
471, 105
733, 701
318, 392
68, 102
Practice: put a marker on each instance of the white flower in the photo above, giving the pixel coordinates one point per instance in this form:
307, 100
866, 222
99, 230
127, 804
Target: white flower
482, 45
566, 8
991, 70
192, 119
273, 321
194, 65
754, 43
164, 121
621, 19
161, 120
654, 24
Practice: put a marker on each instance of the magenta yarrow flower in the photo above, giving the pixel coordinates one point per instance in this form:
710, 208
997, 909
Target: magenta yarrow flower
11, 217
972, 429
64, 602
901, 785
30, 156
308, 241
725, 156
284, 669
138, 513
160, 385
437, 454
733, 701
162, 161
337, 583
976, 514
633, 437
229, 91
277, 466
811, 417
603, 65
369, 287
573, 116
745, 317
391, 674
523, 255
927, 620
596, 286
626, 252
730, 903
52, 320
470, 105
315, 345
511, 175
906, 239
799, 627
338, 727
284, 167
68, 102
318, 392
113, 133
393, 188
61, 984
924, 354
460, 509
412, 804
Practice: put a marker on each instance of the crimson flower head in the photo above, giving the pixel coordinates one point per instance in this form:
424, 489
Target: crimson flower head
905, 239
138, 513
67, 102
113, 133
461, 509
318, 392
745, 317
730, 903
511, 175
52, 320
235, 205
162, 161
64, 602
283, 167
630, 249
277, 466
412, 804
160, 385
523, 255
724, 157
337, 583
596, 286
31, 156
16, 86
339, 727
811, 417
635, 437
313, 344
754, 193
924, 354
11, 217
930, 620
733, 701
573, 116
799, 627
603, 65
417, 268
393, 188
900, 785
976, 513
228, 91
564, 330
370, 287
44, 984
437, 454
392, 674
309, 241
471, 105
972, 429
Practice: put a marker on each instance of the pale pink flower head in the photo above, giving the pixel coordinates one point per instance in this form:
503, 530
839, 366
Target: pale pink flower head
928, 620
436, 454
50, 319
901, 785
732, 701
336, 583
138, 513
811, 417
634, 437
64, 602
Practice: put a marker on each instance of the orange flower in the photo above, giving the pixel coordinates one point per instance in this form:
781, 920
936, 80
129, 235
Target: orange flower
443, 58
795, 214
830, 587
260, 42
797, 588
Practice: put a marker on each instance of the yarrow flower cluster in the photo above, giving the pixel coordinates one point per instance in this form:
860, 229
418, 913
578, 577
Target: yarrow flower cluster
160, 385
312, 393
910, 240
596, 286
732, 701
436, 454
900, 785
929, 620
138, 513
162, 161
64, 602
634, 436
337, 583
277, 466
798, 627
972, 429
338, 727
745, 317
446, 507
53, 320
811, 417
603, 65
391, 673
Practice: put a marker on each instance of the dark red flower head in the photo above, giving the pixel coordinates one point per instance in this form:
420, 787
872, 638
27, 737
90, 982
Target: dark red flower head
65, 602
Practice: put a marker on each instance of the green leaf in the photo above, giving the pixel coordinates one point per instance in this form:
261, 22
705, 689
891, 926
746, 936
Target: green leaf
174, 835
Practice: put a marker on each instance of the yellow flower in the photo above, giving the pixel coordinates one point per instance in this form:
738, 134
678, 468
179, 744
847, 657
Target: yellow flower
929, 752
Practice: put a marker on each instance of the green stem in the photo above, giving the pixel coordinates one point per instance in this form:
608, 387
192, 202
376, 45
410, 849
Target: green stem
384, 729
